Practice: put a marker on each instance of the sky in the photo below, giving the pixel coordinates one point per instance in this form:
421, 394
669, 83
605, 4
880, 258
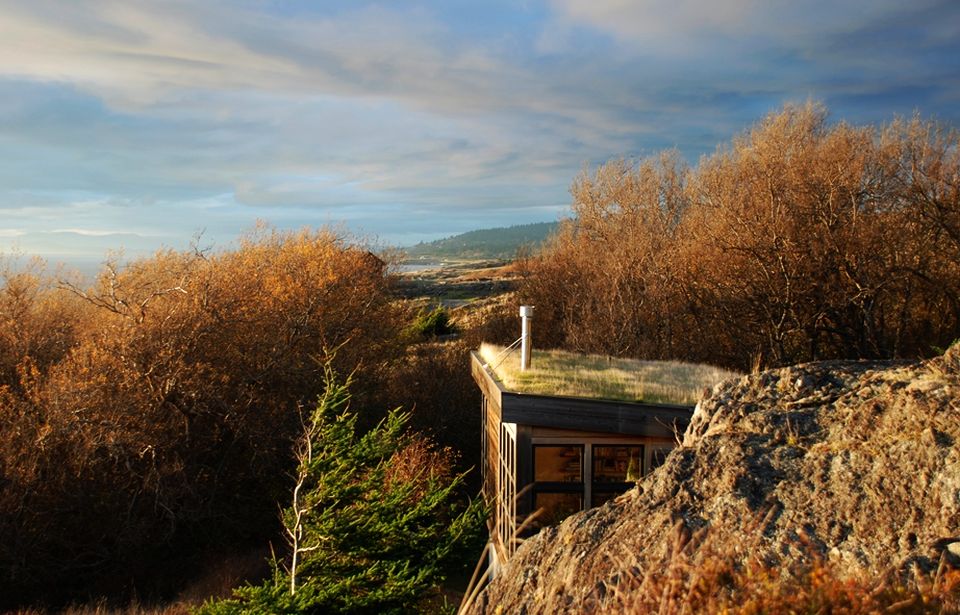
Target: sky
137, 125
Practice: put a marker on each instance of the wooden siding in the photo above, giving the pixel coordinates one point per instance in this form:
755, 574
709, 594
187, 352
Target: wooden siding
490, 388
514, 422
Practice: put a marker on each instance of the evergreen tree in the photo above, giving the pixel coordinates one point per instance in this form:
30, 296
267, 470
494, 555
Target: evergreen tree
361, 539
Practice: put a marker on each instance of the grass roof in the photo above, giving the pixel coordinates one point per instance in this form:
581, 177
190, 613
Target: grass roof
555, 372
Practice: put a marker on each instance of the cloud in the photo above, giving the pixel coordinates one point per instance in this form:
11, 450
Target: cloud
670, 24
158, 119
70, 244
153, 58
649, 21
89, 232
142, 54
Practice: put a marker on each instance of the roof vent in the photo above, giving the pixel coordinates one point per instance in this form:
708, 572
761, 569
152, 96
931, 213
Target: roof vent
526, 342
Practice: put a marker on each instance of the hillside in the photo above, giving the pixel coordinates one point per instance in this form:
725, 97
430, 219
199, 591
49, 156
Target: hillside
850, 466
499, 243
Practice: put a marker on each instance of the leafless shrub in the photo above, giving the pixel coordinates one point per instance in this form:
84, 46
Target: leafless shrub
158, 405
801, 240
433, 381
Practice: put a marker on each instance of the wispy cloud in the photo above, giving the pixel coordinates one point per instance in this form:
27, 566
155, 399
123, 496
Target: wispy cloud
160, 118
90, 232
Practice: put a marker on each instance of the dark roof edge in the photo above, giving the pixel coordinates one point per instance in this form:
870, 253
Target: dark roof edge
585, 414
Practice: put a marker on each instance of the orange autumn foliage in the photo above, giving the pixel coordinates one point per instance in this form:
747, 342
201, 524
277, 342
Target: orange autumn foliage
157, 407
801, 240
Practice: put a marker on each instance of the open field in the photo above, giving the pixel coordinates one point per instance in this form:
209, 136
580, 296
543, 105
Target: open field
453, 283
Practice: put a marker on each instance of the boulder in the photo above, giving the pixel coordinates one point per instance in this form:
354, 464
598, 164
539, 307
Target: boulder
857, 463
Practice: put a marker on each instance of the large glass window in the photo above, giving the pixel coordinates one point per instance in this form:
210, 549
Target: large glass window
558, 483
615, 470
558, 464
602, 497
617, 464
562, 474
555, 507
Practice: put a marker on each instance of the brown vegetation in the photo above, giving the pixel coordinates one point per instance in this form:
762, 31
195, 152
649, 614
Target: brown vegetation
150, 416
702, 575
706, 574
800, 241
433, 381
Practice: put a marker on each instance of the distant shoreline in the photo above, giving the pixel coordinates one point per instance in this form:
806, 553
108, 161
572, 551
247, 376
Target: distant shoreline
417, 267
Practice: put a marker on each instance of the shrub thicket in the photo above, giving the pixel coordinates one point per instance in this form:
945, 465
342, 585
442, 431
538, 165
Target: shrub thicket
150, 416
373, 520
800, 241
433, 381
430, 324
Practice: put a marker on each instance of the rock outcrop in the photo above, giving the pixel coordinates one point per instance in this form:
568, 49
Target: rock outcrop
854, 462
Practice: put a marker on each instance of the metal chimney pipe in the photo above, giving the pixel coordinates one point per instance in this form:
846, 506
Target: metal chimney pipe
526, 343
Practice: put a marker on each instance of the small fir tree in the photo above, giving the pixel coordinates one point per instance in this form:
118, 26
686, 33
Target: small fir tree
361, 539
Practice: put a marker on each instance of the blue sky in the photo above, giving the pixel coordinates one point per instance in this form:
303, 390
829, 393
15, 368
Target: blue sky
137, 124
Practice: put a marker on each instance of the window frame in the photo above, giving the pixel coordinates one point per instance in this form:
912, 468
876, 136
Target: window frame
587, 484
616, 487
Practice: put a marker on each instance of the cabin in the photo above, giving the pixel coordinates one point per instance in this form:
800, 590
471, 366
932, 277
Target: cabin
549, 451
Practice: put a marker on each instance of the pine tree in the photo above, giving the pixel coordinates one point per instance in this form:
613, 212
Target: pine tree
360, 541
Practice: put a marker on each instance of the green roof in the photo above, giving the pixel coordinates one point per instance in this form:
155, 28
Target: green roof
556, 372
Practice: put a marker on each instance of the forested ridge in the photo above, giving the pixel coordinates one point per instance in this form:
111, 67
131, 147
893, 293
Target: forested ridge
502, 242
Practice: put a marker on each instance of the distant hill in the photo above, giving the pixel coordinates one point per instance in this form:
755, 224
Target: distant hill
500, 242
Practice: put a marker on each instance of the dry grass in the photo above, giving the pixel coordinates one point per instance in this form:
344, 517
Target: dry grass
103, 609
555, 372
701, 576
706, 573
219, 574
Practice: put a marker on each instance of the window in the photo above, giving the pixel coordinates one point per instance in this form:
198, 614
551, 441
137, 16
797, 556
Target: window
555, 507
601, 498
615, 470
558, 464
558, 483
617, 464
569, 477
485, 474
507, 497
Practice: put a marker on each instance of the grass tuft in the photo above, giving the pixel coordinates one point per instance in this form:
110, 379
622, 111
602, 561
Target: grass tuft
556, 372
706, 574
